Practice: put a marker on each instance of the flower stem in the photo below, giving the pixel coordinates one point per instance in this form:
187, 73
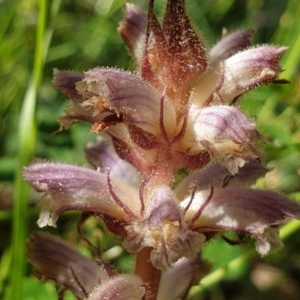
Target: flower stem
149, 274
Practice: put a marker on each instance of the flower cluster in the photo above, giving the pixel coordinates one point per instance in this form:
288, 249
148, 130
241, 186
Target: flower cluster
174, 164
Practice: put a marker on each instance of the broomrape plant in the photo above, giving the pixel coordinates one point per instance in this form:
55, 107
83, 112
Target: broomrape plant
172, 169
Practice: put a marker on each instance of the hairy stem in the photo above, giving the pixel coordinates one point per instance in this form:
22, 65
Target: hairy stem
149, 274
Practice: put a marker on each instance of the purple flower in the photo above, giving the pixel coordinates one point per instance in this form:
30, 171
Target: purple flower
175, 163
178, 103
56, 260
174, 222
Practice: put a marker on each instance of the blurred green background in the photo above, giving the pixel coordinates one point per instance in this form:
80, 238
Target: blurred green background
37, 36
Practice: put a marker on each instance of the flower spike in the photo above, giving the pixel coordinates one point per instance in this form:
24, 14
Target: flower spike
175, 165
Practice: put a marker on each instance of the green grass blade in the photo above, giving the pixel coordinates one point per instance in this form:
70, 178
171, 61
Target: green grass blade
26, 145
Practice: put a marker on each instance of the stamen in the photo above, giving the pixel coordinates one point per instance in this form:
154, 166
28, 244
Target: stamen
180, 134
191, 200
161, 118
226, 180
201, 209
141, 194
233, 242
61, 293
126, 209
184, 124
235, 99
79, 225
217, 88
78, 282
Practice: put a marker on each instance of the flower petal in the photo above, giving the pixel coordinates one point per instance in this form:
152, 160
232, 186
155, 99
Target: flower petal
248, 69
218, 176
133, 30
75, 188
103, 155
65, 82
124, 95
231, 44
226, 133
179, 278
205, 86
163, 230
256, 212
119, 287
54, 259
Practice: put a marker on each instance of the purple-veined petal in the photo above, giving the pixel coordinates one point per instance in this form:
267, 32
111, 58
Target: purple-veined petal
75, 188
133, 30
178, 279
127, 97
54, 259
65, 82
230, 44
218, 176
119, 287
103, 155
256, 212
248, 69
226, 133
206, 85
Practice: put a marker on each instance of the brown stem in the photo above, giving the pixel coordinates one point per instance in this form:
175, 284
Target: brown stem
149, 274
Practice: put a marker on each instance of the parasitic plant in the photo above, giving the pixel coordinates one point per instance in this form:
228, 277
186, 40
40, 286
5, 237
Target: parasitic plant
173, 163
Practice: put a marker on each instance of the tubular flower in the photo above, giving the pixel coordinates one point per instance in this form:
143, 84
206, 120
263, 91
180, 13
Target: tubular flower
179, 101
56, 260
177, 114
174, 223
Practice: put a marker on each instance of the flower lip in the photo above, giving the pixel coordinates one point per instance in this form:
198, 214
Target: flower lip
65, 81
256, 212
248, 69
219, 176
122, 94
224, 132
179, 278
81, 189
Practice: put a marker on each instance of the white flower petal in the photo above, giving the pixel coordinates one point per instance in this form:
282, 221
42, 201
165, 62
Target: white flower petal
226, 133
75, 188
248, 69
256, 212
